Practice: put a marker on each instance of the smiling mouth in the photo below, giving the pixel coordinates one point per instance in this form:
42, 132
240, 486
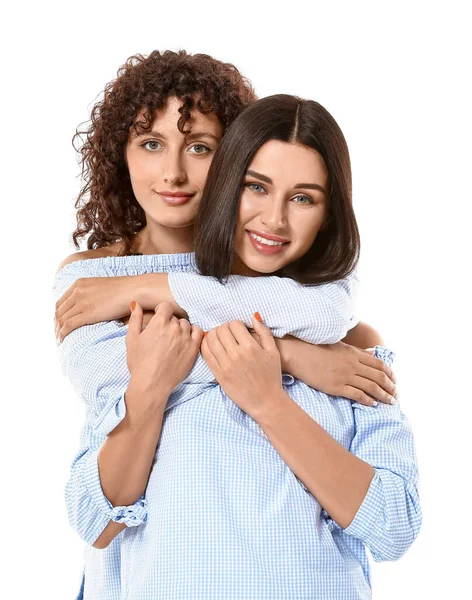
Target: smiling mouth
266, 246
264, 240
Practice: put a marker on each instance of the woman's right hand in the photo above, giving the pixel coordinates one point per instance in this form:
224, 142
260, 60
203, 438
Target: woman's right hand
339, 370
160, 355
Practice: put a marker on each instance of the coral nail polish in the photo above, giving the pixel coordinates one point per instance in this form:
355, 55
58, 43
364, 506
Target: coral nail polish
132, 305
258, 317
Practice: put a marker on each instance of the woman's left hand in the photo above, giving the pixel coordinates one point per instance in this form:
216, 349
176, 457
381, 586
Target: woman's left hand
249, 371
93, 300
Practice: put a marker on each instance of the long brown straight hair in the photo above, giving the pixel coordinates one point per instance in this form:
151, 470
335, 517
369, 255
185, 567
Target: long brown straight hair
335, 251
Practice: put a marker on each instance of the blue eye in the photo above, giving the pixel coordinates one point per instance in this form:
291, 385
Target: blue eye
303, 199
255, 185
205, 149
151, 145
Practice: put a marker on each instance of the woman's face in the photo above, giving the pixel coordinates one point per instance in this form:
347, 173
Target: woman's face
282, 208
168, 169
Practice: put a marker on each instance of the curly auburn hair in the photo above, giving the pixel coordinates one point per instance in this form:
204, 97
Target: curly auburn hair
107, 207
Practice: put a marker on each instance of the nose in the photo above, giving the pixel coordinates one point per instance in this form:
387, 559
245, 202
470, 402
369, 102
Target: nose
174, 169
274, 216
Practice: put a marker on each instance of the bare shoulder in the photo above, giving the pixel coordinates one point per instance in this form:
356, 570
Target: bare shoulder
112, 250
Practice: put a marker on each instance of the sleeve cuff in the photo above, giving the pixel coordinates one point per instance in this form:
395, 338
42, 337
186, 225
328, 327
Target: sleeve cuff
132, 515
111, 416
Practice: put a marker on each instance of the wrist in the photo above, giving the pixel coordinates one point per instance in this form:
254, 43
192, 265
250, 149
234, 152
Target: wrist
146, 290
272, 408
146, 396
286, 347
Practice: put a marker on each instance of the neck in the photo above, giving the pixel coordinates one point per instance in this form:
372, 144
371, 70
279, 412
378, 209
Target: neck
159, 239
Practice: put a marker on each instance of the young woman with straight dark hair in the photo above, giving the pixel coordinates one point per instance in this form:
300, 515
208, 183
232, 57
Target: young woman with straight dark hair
337, 247
258, 488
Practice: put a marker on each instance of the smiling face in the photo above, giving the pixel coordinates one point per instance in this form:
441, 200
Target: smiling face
168, 169
283, 206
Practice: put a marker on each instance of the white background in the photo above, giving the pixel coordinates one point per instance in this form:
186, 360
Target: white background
396, 77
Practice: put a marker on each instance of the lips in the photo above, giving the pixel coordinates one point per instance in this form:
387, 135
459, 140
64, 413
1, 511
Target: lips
267, 236
175, 198
264, 248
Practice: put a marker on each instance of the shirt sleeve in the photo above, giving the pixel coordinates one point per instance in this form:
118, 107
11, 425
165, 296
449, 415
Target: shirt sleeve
93, 358
88, 509
389, 518
318, 314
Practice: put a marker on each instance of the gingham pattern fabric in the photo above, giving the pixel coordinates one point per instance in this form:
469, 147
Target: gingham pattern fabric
323, 314
220, 516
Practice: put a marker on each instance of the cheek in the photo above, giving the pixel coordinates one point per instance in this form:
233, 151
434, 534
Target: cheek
140, 170
247, 209
306, 231
197, 172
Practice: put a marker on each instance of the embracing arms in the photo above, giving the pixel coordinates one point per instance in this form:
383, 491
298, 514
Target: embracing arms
94, 358
315, 314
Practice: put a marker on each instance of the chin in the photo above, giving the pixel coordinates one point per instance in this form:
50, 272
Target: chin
264, 267
175, 221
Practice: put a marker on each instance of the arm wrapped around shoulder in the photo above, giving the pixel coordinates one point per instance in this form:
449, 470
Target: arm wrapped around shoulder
317, 314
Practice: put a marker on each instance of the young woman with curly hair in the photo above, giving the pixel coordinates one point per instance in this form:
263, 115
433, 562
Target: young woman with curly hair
145, 168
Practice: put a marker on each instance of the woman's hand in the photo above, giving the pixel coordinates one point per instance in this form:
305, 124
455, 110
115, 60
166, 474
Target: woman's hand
340, 370
160, 356
92, 300
248, 370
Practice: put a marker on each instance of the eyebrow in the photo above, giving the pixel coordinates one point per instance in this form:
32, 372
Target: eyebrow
306, 186
194, 135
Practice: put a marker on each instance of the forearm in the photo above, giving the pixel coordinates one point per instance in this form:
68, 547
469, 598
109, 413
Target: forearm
317, 314
152, 289
126, 457
336, 477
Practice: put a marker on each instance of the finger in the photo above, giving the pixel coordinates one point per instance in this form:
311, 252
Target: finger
64, 297
372, 389
376, 363
64, 308
135, 325
209, 357
213, 342
70, 313
226, 337
264, 333
196, 334
356, 395
165, 310
185, 326
69, 326
379, 377
240, 332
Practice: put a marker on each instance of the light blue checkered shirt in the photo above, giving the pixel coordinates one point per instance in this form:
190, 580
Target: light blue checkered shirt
223, 515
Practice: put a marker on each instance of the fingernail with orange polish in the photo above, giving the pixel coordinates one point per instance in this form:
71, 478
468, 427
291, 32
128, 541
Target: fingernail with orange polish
205, 333
132, 305
258, 317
